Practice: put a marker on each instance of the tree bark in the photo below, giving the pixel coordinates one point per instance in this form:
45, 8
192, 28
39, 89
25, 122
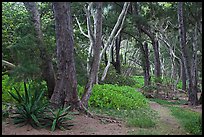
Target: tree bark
192, 94
144, 50
117, 54
65, 92
96, 54
47, 67
114, 33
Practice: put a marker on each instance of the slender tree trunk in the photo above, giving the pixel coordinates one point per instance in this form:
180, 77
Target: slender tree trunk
147, 65
117, 54
183, 74
187, 62
157, 69
47, 67
65, 92
114, 33
96, 54
144, 50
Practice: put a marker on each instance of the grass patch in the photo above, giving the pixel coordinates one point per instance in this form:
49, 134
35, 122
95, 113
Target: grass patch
191, 121
166, 102
141, 117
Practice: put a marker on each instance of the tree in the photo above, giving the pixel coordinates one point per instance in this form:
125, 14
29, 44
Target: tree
46, 66
96, 43
192, 93
65, 92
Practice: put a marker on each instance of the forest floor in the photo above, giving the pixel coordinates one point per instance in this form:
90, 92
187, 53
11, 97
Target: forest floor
83, 125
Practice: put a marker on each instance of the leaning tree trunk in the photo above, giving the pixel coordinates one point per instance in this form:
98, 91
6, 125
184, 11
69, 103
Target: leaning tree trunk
97, 42
46, 66
65, 92
192, 94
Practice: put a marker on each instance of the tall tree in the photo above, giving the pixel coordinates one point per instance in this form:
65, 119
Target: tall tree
46, 66
96, 45
65, 92
192, 93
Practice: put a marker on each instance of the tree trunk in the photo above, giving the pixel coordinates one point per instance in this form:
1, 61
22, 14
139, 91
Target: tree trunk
183, 74
47, 67
65, 92
192, 94
157, 69
96, 54
146, 65
117, 54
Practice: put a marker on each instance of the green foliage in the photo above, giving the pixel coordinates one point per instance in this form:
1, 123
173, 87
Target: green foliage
29, 108
116, 97
7, 85
115, 78
192, 121
139, 81
59, 118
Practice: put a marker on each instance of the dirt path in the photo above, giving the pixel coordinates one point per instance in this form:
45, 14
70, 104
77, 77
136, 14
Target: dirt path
167, 124
83, 125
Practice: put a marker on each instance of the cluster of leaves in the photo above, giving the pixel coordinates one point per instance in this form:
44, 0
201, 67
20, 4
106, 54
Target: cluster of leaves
116, 97
33, 109
58, 118
9, 82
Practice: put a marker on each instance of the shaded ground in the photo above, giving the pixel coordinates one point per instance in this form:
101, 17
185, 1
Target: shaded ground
83, 125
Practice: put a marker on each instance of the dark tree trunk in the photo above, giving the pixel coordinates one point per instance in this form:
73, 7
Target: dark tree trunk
157, 63
116, 62
146, 64
96, 55
155, 44
46, 66
105, 55
117, 54
183, 75
65, 92
187, 61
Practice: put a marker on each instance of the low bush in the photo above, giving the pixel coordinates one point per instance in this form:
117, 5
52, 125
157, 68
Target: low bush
117, 97
30, 107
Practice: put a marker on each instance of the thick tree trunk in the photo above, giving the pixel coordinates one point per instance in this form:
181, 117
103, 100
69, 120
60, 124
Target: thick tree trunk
187, 61
96, 55
65, 92
46, 66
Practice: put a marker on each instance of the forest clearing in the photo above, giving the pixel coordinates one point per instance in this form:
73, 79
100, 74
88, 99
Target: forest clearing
101, 68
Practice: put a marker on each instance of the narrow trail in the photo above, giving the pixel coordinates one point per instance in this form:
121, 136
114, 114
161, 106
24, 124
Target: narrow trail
167, 124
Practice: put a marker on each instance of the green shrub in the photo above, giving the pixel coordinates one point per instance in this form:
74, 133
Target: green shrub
30, 107
59, 118
117, 97
139, 81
